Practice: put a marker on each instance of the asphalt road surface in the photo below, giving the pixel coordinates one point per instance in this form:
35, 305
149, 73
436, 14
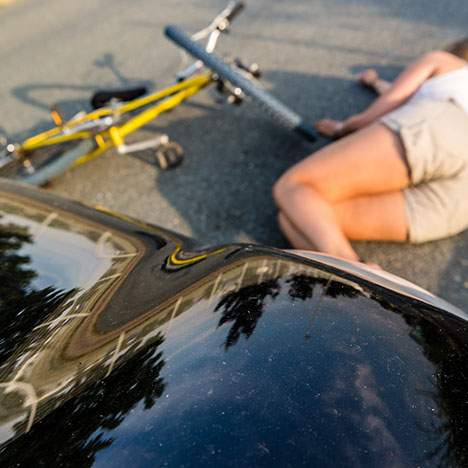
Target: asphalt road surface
53, 51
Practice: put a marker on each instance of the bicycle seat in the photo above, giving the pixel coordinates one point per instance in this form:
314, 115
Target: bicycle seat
102, 97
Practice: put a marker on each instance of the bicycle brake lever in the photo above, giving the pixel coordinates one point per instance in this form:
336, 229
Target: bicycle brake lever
253, 69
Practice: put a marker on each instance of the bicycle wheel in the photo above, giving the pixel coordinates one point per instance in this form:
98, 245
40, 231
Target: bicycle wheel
39, 166
272, 106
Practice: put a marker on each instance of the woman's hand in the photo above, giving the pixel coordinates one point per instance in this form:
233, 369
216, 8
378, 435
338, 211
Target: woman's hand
329, 128
339, 128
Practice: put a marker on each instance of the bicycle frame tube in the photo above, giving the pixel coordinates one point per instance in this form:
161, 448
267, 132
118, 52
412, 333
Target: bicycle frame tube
169, 103
199, 81
174, 95
115, 135
53, 140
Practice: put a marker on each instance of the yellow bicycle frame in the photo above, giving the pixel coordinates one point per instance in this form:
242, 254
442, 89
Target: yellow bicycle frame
114, 136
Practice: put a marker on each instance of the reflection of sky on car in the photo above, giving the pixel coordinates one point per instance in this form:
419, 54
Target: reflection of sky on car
63, 259
7, 430
205, 377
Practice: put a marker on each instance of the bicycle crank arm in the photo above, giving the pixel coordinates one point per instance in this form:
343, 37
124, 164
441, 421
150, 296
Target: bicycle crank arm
143, 145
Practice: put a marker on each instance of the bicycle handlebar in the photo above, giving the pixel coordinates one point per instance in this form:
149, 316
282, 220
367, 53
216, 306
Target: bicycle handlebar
272, 106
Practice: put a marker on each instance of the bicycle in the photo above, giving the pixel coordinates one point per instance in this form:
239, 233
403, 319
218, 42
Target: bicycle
119, 113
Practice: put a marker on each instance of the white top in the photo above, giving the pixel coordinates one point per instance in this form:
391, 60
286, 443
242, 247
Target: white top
450, 86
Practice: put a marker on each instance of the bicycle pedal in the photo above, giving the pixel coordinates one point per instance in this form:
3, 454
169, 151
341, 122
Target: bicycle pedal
169, 156
29, 169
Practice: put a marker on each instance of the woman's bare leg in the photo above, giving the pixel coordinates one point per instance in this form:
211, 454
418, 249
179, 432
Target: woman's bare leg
375, 217
321, 231
368, 162
294, 236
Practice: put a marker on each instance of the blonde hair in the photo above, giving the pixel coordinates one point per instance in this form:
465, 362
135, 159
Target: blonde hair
459, 48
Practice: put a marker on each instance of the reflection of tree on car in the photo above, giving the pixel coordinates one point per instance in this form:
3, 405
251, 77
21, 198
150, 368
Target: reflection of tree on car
102, 407
245, 307
22, 305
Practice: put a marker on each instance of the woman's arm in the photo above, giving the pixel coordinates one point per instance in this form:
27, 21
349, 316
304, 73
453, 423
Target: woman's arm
406, 84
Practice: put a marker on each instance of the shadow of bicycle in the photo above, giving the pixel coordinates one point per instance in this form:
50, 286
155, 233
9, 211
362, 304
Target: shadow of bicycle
69, 98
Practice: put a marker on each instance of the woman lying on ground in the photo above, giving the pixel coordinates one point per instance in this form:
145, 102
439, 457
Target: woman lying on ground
400, 174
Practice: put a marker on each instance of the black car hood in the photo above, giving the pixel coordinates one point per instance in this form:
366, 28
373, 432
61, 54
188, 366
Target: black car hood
122, 344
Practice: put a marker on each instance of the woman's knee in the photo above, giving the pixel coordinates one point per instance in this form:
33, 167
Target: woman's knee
293, 180
284, 185
278, 189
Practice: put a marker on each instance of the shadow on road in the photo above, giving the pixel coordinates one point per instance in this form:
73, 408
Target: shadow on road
77, 97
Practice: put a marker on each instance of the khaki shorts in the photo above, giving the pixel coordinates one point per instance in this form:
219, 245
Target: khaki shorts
435, 138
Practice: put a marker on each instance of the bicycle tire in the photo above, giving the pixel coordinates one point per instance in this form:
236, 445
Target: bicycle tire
48, 162
271, 105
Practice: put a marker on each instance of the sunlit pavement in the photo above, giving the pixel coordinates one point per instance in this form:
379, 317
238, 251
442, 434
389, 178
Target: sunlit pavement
53, 51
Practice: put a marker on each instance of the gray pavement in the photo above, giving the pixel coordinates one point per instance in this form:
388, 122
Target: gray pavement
59, 52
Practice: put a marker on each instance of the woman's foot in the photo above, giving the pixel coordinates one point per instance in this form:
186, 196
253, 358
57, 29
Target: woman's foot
368, 77
329, 128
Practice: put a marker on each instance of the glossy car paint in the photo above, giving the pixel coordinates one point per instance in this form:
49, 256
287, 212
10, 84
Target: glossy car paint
123, 344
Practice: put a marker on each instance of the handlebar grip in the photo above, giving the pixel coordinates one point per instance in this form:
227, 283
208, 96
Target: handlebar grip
234, 8
307, 131
272, 106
